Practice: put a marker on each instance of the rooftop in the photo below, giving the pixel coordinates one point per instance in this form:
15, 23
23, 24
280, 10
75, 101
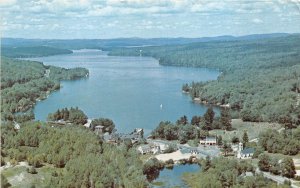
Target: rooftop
210, 138
248, 151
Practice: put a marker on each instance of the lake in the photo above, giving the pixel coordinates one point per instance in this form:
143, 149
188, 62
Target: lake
173, 177
132, 91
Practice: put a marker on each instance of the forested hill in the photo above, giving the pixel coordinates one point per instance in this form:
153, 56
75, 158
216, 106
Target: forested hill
260, 77
124, 42
24, 82
72, 156
32, 51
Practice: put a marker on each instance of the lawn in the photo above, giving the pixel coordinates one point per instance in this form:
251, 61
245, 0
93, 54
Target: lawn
252, 128
19, 177
145, 157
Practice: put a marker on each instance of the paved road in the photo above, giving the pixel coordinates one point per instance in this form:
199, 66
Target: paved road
278, 179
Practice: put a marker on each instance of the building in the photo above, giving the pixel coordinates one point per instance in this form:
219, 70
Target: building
246, 153
88, 123
138, 131
111, 138
209, 140
162, 146
17, 126
145, 149
99, 129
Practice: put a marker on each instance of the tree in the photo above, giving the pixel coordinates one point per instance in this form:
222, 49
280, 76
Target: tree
288, 167
186, 87
264, 162
226, 119
209, 118
151, 168
274, 166
286, 120
182, 121
196, 120
245, 139
226, 149
219, 140
170, 133
207, 163
235, 140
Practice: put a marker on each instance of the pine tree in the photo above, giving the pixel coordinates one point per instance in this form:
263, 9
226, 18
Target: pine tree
245, 139
209, 118
226, 119
219, 140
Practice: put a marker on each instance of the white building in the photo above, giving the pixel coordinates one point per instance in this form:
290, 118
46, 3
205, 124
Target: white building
144, 149
246, 153
88, 123
209, 140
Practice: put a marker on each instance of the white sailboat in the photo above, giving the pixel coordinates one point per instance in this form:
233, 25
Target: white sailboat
161, 106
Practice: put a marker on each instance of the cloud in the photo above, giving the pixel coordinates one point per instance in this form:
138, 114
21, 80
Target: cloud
4, 3
158, 17
257, 20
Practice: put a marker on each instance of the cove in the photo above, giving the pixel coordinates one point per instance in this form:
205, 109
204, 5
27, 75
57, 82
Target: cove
173, 177
132, 91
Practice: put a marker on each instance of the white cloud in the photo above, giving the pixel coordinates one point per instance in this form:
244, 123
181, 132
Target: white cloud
4, 3
257, 20
174, 17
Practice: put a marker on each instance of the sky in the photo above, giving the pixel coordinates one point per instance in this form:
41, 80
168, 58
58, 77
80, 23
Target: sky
101, 19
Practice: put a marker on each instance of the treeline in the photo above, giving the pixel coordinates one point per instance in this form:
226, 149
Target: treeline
32, 51
259, 77
286, 142
72, 115
197, 128
79, 151
284, 167
224, 172
24, 82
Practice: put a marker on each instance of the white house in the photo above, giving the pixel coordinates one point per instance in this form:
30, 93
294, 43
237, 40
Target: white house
99, 129
209, 140
17, 126
246, 153
144, 149
88, 123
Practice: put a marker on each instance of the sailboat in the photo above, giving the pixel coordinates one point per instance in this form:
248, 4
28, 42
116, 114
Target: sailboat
161, 106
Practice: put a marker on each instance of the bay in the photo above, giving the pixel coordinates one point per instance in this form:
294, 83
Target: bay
132, 91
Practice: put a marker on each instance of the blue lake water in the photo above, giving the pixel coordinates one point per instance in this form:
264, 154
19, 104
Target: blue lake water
129, 90
173, 177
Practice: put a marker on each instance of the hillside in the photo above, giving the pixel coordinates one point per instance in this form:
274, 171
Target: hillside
124, 42
260, 77
24, 82
59, 155
32, 51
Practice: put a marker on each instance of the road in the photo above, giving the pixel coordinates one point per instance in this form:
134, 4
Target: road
278, 179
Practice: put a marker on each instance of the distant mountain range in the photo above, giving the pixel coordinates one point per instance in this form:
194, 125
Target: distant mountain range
125, 42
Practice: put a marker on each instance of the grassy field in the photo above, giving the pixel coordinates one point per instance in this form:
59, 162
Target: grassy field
18, 176
252, 128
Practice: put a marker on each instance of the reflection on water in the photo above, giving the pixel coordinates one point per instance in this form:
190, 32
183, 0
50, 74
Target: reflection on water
172, 177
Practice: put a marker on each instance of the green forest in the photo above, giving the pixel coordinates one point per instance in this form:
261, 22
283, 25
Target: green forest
72, 115
78, 156
259, 77
224, 172
32, 51
24, 82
